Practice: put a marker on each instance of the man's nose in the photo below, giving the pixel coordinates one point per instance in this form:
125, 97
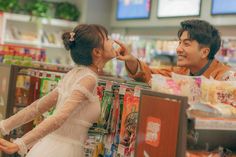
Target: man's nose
179, 49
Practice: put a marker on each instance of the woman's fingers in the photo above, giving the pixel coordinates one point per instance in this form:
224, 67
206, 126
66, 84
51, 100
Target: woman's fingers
2, 148
3, 142
8, 147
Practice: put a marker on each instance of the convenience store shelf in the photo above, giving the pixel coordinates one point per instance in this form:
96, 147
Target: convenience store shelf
22, 42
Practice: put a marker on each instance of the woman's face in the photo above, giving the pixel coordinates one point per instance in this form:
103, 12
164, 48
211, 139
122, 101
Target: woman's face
108, 51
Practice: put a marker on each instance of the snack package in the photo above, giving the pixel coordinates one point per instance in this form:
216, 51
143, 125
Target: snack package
34, 89
208, 110
47, 85
22, 90
205, 90
229, 75
163, 84
178, 85
218, 92
129, 119
115, 113
189, 86
100, 90
106, 105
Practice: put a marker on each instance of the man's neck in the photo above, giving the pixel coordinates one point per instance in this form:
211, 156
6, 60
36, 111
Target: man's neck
203, 66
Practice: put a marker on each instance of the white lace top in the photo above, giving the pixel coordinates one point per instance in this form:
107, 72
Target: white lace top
77, 107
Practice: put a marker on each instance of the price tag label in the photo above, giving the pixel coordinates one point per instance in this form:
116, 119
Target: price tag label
121, 149
215, 124
122, 89
107, 145
62, 76
44, 74
137, 91
37, 73
53, 76
32, 73
36, 86
29, 72
226, 59
108, 86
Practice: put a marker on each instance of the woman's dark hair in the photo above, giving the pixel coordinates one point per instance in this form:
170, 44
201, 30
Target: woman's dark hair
204, 33
82, 40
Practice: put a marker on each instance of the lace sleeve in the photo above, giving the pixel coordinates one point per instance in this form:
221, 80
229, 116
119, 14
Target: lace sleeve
80, 93
29, 113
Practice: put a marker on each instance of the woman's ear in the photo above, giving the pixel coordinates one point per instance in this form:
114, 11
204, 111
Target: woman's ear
97, 52
205, 52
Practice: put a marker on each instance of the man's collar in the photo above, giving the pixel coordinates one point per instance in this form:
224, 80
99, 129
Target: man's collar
201, 71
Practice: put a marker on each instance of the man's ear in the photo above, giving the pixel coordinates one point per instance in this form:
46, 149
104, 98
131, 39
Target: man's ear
205, 52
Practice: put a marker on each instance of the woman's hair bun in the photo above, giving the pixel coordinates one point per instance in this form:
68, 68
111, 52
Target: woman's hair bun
67, 40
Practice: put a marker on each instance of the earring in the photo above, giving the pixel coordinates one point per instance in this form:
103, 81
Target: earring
72, 34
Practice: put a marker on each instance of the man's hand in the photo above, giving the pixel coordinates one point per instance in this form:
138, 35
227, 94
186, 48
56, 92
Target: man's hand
124, 55
8, 147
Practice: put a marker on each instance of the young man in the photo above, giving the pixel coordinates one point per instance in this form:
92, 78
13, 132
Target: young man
199, 41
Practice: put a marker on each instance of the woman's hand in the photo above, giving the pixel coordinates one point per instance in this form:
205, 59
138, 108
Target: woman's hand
8, 147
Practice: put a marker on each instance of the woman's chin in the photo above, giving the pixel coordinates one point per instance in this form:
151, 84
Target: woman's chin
110, 58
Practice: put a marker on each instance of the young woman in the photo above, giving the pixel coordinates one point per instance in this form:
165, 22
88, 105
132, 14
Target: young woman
77, 106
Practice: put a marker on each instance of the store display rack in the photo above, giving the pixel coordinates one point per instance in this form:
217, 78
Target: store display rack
38, 32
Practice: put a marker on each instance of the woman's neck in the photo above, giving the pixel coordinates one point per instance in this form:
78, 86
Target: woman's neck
95, 68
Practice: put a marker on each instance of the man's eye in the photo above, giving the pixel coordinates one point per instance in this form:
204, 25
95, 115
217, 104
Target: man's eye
187, 44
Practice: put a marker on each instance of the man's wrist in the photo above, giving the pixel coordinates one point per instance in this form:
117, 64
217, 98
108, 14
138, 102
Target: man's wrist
132, 66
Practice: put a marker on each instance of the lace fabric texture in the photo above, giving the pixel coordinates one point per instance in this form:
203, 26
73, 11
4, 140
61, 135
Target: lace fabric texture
77, 107
29, 113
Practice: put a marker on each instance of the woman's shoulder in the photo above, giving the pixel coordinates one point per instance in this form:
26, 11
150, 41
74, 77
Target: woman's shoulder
81, 72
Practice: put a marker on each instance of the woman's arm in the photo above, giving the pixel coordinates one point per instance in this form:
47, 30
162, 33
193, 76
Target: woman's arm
81, 92
30, 112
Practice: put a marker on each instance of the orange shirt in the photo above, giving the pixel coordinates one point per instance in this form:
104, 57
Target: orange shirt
216, 70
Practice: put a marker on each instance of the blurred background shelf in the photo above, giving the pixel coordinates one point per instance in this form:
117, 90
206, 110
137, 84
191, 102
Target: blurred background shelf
40, 32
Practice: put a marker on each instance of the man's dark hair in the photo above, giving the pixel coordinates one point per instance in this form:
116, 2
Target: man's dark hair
204, 33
